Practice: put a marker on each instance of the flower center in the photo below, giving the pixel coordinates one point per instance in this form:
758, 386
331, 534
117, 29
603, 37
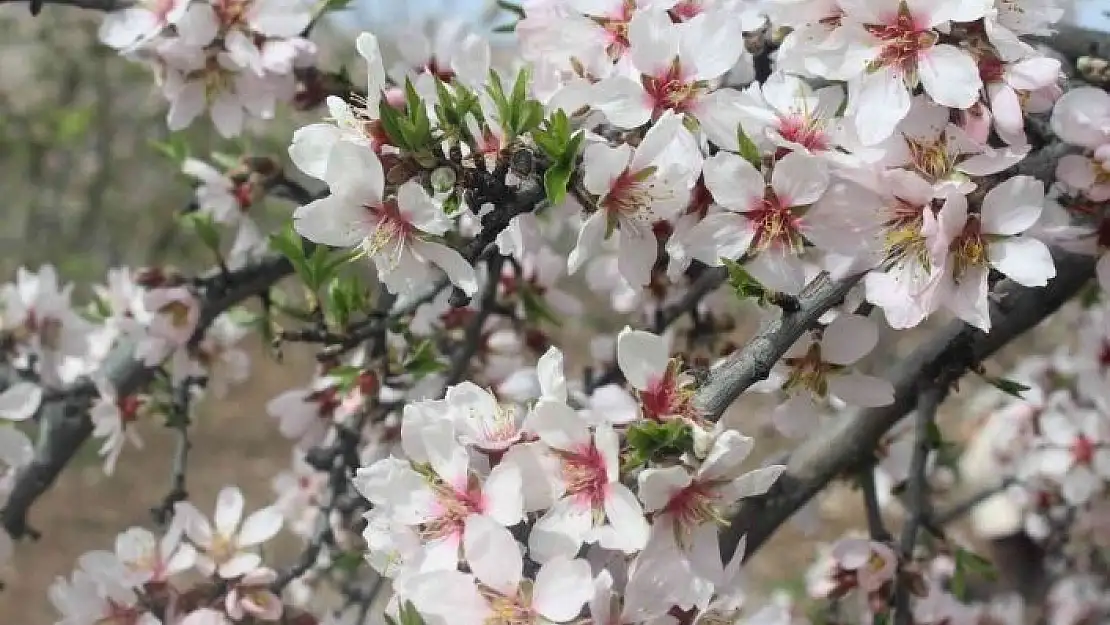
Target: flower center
222, 549
586, 476
327, 401
665, 397
693, 506
616, 29
129, 406
177, 312
969, 248
514, 610
775, 224
932, 159
669, 91
457, 504
391, 231
115, 614
631, 196
804, 130
809, 372
902, 41
1083, 450
903, 238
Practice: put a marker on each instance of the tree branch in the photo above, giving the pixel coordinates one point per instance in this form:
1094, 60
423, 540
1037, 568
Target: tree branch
849, 442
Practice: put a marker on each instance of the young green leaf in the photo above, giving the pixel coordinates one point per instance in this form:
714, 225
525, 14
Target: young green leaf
748, 150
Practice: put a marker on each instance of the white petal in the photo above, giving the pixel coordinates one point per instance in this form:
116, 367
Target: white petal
260, 526
20, 401
754, 483
623, 101
355, 170
459, 272
229, 510
559, 426
848, 338
504, 494
239, 565
733, 181
493, 554
861, 390
336, 220
549, 370
311, 147
626, 516
1024, 260
560, 531
728, 452
1013, 206
658, 486
882, 102
949, 76
642, 356
602, 165
800, 179
562, 587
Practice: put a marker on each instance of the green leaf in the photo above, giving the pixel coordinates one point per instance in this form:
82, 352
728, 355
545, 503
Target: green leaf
348, 561
536, 308
345, 296
226, 161
288, 243
409, 615
331, 6
391, 124
202, 225
423, 360
175, 148
969, 563
651, 441
742, 282
72, 124
1007, 386
748, 150
511, 7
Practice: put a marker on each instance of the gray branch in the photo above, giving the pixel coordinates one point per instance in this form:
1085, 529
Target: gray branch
848, 443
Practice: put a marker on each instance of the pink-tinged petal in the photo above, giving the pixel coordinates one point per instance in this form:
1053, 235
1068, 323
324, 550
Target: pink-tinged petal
279, 18
562, 587
612, 404
753, 483
503, 495
336, 220
1076, 171
848, 338
708, 45
637, 250
447, 598
549, 371
195, 524
653, 42
602, 165
1079, 485
950, 76
560, 531
205, 616
260, 526
590, 239
882, 102
229, 510
493, 554
661, 136
729, 450
861, 390
559, 426
1024, 260
643, 357
354, 170
994, 160
1006, 108
185, 106
720, 235
658, 486
1013, 206
1079, 117
720, 114
800, 179
459, 272
239, 565
852, 553
623, 101
1033, 73
969, 301
446, 455
733, 181
20, 401
796, 416
627, 529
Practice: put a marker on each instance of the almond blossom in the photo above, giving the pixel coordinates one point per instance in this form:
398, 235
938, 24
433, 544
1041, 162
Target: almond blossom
635, 189
663, 391
392, 231
113, 419
225, 547
1072, 451
965, 246
897, 44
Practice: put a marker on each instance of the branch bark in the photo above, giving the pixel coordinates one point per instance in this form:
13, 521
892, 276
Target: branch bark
848, 443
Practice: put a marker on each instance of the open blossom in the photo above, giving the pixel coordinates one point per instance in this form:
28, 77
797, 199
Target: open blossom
769, 219
226, 547
113, 419
663, 391
1026, 85
676, 67
85, 599
1072, 451
38, 315
964, 246
635, 189
141, 22
251, 597
393, 232
175, 314
814, 369
897, 44
689, 507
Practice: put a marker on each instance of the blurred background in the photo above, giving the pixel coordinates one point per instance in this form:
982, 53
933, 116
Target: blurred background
84, 189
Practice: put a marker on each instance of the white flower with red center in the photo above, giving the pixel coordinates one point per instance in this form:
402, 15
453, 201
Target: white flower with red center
251, 596
311, 145
675, 68
819, 366
1073, 451
1007, 20
482, 421
149, 559
942, 152
785, 111
899, 44
773, 216
496, 592
689, 507
1082, 118
175, 313
817, 44
635, 189
857, 563
113, 419
440, 500
588, 502
965, 247
225, 547
392, 231
85, 598
138, 24
38, 315
307, 415
1028, 85
664, 392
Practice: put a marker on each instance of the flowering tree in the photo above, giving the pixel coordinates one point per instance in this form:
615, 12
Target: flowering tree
856, 168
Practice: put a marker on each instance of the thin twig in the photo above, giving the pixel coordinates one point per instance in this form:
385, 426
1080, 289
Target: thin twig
473, 337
